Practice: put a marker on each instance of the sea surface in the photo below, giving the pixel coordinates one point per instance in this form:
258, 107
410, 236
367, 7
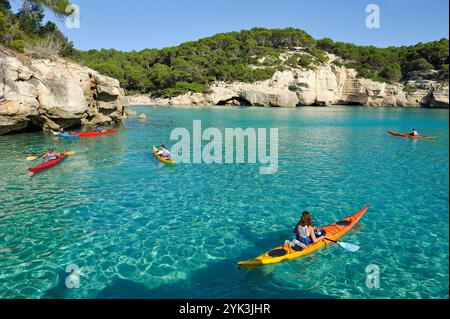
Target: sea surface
132, 227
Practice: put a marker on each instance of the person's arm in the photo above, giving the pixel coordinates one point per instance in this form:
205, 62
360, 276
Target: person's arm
313, 235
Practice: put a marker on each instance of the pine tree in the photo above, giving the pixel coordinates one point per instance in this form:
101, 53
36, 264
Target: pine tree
5, 5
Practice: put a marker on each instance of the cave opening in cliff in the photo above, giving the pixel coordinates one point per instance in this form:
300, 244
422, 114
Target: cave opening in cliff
319, 103
237, 101
352, 103
35, 124
107, 112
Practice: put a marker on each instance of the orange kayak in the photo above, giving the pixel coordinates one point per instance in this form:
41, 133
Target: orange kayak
412, 136
332, 232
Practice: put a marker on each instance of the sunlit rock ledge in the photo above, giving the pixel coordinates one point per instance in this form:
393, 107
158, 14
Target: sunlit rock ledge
38, 94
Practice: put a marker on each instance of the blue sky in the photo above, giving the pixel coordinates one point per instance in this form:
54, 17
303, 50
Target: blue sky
138, 24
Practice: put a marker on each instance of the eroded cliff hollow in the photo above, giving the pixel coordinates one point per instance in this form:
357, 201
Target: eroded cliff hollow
46, 94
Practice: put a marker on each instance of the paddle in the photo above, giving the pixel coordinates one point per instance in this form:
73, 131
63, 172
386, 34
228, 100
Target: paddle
33, 157
346, 246
69, 153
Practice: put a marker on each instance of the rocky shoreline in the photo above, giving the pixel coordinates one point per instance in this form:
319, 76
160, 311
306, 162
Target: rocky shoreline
327, 84
43, 94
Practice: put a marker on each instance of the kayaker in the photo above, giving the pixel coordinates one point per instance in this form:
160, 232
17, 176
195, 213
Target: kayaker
163, 151
61, 130
51, 155
414, 132
97, 129
304, 230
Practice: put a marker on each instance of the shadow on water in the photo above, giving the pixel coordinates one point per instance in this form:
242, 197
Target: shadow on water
208, 282
60, 290
205, 282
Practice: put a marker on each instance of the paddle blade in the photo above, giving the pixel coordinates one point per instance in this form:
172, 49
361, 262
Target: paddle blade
70, 153
31, 158
349, 247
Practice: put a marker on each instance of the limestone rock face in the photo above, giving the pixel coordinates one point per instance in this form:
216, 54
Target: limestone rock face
18, 103
47, 94
325, 84
439, 96
273, 92
270, 97
59, 95
189, 99
222, 93
360, 91
316, 87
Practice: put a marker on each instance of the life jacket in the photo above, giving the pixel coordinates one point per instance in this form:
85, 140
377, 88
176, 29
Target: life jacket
165, 152
301, 233
51, 156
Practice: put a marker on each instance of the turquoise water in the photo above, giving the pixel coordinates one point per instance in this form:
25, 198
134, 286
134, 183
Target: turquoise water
137, 228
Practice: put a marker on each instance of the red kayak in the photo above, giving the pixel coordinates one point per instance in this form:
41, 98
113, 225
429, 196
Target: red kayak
84, 134
412, 136
47, 164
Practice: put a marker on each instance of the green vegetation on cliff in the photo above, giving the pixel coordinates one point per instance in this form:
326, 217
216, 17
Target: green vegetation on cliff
26, 30
193, 66
248, 56
393, 63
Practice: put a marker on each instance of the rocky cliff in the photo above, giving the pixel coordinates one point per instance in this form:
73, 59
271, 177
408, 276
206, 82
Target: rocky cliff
325, 84
46, 94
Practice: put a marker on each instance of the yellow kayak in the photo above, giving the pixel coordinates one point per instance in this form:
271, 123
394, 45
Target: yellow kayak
162, 159
332, 231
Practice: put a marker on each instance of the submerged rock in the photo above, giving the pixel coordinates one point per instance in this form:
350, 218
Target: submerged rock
130, 112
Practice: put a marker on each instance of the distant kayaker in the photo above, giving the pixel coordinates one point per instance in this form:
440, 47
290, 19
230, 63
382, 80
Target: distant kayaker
304, 230
61, 130
98, 129
51, 155
163, 151
414, 132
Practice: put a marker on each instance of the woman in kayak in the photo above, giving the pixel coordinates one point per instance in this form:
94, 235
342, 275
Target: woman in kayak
163, 151
51, 155
414, 132
304, 230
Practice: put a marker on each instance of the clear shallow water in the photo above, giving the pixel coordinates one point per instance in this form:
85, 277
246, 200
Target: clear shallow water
137, 228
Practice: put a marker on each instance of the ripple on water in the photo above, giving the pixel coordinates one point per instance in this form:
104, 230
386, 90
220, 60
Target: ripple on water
137, 228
